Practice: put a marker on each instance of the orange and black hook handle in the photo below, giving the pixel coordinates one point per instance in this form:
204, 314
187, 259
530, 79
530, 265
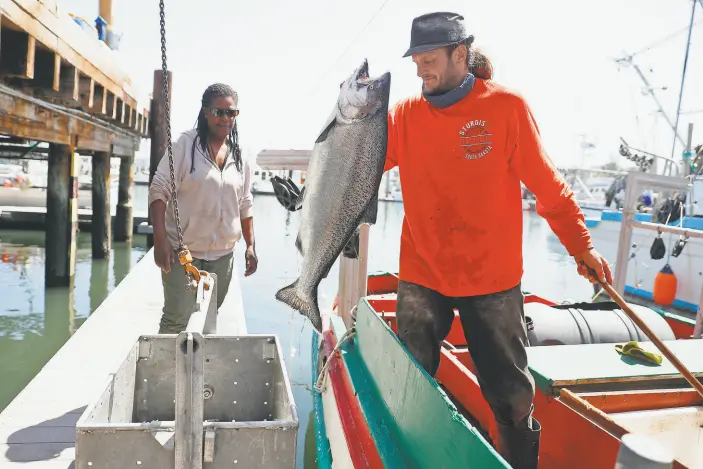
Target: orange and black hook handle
186, 259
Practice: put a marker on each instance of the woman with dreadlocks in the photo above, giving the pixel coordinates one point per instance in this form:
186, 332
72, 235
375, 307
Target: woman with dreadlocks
213, 189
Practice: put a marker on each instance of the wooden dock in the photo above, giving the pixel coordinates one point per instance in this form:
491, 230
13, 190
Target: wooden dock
60, 83
37, 429
51, 67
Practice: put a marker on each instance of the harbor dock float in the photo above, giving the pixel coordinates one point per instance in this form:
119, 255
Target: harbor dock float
31, 218
38, 428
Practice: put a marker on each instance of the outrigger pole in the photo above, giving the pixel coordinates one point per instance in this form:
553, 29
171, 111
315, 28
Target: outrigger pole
683, 76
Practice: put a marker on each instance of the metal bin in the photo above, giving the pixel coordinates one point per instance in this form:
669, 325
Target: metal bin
192, 402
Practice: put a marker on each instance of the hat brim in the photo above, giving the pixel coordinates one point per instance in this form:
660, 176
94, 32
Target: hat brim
428, 47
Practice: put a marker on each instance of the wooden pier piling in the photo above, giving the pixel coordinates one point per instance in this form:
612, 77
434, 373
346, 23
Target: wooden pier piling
159, 136
59, 85
124, 223
101, 231
61, 215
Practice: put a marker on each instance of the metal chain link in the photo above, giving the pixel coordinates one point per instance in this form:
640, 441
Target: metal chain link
167, 111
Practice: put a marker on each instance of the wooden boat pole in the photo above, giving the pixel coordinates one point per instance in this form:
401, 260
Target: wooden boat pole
649, 333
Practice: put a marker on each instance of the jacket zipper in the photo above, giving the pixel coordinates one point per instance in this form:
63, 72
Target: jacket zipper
219, 198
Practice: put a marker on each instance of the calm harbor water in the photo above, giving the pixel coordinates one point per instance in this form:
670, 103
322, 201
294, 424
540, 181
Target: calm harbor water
35, 322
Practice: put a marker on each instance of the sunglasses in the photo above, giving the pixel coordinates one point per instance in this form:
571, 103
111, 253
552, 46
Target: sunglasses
224, 112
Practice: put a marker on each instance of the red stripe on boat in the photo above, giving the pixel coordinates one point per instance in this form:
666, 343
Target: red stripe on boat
356, 431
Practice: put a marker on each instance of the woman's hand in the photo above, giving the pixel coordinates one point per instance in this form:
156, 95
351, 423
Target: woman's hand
250, 258
163, 254
251, 261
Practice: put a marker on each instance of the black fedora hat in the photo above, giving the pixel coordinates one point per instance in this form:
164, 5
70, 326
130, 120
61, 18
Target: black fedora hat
434, 30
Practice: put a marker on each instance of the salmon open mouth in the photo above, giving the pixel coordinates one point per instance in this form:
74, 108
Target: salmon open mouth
363, 71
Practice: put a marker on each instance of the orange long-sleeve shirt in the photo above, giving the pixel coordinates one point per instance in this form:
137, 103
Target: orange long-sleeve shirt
460, 170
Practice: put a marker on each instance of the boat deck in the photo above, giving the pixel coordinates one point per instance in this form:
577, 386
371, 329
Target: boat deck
585, 393
571, 365
37, 429
679, 428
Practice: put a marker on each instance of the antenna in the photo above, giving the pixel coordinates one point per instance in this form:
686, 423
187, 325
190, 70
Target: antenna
649, 89
627, 61
683, 77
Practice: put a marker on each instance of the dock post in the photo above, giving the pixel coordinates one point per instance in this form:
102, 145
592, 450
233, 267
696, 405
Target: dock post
102, 216
157, 131
61, 215
124, 221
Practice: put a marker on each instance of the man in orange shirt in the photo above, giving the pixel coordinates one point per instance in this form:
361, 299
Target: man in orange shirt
462, 146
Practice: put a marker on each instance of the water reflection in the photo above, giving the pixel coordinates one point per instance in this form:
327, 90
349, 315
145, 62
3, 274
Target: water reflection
36, 321
99, 283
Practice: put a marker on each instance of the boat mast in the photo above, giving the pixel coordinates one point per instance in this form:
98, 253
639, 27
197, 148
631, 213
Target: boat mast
683, 76
627, 60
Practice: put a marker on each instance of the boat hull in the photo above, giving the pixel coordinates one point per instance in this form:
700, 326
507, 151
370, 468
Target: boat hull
587, 396
392, 416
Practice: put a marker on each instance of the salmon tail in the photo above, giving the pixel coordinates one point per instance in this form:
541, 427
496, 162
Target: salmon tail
304, 304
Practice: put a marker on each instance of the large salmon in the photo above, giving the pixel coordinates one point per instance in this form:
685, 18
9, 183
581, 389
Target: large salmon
341, 186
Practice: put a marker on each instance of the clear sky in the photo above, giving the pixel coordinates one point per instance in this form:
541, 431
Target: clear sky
286, 60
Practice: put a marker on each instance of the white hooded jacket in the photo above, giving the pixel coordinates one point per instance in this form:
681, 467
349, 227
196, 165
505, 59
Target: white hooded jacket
211, 202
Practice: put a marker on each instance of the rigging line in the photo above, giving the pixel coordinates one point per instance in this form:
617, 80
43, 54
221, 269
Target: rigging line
683, 79
317, 87
670, 36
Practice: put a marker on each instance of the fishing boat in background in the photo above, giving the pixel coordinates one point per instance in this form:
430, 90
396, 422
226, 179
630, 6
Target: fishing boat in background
389, 189
683, 258
683, 253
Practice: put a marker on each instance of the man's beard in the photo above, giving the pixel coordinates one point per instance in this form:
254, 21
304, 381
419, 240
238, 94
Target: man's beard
444, 88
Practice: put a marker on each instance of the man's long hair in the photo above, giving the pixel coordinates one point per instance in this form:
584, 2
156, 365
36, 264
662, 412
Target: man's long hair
232, 141
479, 64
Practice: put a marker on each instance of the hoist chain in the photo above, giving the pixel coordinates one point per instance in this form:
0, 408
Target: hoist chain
184, 256
167, 111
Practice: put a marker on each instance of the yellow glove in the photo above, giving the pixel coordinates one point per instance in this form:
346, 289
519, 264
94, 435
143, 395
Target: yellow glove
633, 349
